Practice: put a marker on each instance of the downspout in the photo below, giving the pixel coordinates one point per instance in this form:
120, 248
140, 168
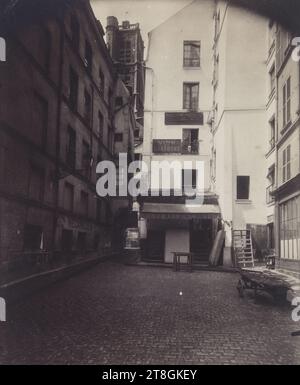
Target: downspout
151, 124
276, 213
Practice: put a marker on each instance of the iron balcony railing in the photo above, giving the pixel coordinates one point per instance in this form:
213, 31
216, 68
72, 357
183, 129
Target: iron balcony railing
175, 146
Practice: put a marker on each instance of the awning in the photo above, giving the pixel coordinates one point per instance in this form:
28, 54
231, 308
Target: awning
179, 211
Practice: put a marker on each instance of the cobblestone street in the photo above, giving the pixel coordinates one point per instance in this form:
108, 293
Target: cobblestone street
116, 314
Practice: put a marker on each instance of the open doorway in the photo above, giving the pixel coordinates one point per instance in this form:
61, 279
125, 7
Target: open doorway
201, 234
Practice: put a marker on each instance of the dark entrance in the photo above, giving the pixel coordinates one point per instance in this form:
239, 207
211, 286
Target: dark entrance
66, 240
201, 238
154, 247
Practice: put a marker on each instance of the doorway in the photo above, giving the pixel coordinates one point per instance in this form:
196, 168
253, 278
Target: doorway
201, 234
154, 247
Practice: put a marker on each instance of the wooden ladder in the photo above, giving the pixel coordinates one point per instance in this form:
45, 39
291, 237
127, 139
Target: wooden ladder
243, 250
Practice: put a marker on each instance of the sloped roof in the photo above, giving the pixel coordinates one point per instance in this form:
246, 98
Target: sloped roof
286, 12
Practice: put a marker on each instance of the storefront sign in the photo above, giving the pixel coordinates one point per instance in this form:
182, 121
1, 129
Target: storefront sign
179, 118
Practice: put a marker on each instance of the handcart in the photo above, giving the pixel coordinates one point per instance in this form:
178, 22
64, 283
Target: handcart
262, 281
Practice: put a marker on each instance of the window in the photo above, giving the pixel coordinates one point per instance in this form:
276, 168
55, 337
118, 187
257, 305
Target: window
286, 100
110, 139
32, 237
36, 183
190, 96
272, 133
96, 241
271, 237
100, 125
109, 98
119, 101
99, 210
107, 212
101, 80
85, 155
286, 164
289, 219
84, 203
81, 241
45, 45
137, 133
189, 179
87, 106
191, 54
73, 88
283, 44
118, 137
272, 80
68, 202
71, 147
137, 157
75, 32
270, 188
242, 190
190, 142
88, 57
41, 119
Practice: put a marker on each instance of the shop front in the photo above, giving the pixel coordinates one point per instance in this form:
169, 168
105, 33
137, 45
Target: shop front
179, 227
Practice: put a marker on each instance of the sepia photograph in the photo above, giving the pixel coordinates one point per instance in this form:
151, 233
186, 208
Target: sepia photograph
149, 185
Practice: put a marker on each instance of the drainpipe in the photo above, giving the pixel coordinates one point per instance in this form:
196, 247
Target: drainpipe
276, 210
151, 125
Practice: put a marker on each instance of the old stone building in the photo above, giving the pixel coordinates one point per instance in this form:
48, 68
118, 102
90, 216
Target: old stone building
59, 91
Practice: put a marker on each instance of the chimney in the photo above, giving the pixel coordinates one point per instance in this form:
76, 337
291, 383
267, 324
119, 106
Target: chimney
112, 29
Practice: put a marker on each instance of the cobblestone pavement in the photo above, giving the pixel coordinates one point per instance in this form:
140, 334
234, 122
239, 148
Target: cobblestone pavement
116, 314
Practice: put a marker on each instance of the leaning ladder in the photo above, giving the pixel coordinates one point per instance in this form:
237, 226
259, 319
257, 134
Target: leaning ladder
243, 249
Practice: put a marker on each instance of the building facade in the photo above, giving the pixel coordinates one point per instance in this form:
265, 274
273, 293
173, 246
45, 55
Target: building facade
271, 121
239, 122
177, 105
287, 193
235, 68
59, 92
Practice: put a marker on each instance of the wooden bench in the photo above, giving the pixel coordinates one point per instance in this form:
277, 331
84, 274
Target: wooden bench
177, 255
